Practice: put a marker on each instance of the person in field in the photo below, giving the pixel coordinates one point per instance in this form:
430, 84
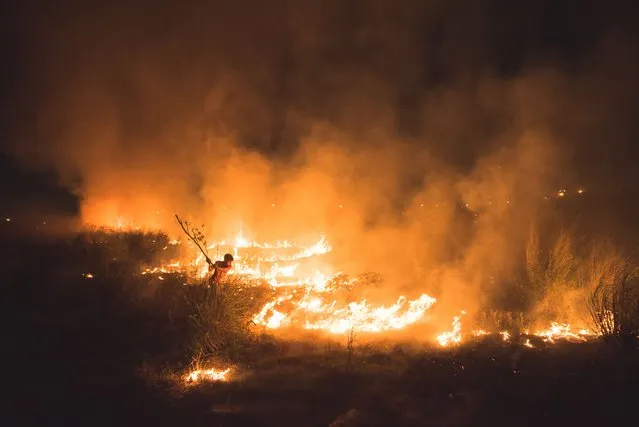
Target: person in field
220, 269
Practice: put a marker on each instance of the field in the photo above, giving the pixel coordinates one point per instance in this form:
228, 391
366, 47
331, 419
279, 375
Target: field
112, 349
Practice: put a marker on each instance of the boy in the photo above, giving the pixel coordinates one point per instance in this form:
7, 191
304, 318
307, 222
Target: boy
220, 269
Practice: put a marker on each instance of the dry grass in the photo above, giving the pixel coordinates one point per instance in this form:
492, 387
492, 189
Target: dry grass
549, 275
613, 294
220, 317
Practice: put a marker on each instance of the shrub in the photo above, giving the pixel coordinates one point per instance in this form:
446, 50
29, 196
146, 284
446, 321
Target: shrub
548, 276
220, 317
613, 298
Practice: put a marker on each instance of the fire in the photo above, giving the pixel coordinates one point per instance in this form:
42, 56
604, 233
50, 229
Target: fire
305, 299
362, 317
556, 331
321, 300
212, 374
454, 336
563, 331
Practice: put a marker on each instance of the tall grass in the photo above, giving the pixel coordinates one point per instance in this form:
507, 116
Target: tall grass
612, 281
220, 318
548, 284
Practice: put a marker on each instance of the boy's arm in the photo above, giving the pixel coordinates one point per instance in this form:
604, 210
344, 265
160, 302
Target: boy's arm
214, 265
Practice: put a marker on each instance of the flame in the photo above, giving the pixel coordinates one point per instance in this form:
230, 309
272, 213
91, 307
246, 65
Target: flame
563, 331
454, 336
362, 317
212, 374
305, 298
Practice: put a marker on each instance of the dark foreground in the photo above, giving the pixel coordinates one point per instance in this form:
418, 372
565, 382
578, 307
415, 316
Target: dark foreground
86, 352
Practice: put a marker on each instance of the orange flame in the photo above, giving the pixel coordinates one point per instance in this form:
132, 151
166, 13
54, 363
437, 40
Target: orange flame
212, 374
454, 336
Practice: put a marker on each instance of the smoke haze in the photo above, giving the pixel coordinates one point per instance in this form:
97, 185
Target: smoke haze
421, 138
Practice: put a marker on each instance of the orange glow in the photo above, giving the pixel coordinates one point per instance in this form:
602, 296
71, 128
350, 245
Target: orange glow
563, 331
212, 374
308, 299
305, 298
452, 337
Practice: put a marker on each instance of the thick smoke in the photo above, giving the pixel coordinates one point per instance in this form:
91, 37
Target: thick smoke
421, 138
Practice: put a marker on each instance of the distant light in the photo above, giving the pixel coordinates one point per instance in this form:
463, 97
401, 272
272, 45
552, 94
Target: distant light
44, 223
8, 219
160, 277
466, 204
272, 204
561, 194
507, 201
421, 205
580, 191
340, 206
88, 275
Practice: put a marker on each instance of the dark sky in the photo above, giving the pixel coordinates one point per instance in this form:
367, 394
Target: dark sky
442, 74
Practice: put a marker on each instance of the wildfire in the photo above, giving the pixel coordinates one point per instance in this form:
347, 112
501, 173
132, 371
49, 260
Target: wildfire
212, 374
304, 298
454, 336
314, 299
563, 331
362, 317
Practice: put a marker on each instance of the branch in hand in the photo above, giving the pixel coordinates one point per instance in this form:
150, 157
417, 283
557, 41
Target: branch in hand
196, 236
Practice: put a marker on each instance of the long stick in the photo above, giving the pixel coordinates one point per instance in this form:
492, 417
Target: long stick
186, 231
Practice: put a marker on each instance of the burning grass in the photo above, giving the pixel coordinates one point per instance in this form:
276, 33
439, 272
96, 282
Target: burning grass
116, 328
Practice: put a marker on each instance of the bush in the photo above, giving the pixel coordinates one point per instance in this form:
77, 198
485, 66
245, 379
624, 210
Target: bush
220, 318
613, 297
548, 277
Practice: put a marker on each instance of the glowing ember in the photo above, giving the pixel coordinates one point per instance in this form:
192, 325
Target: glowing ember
208, 375
454, 336
528, 344
505, 335
88, 275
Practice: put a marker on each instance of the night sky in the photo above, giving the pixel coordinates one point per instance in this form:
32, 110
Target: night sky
435, 73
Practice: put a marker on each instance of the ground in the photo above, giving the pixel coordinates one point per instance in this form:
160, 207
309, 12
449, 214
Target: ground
85, 352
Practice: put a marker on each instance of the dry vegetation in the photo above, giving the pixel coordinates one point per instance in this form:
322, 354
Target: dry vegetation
93, 332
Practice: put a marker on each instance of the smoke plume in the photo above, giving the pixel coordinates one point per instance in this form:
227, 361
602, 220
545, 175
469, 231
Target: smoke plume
421, 138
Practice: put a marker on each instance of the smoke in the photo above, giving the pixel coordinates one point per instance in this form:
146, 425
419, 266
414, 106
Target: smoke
421, 139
